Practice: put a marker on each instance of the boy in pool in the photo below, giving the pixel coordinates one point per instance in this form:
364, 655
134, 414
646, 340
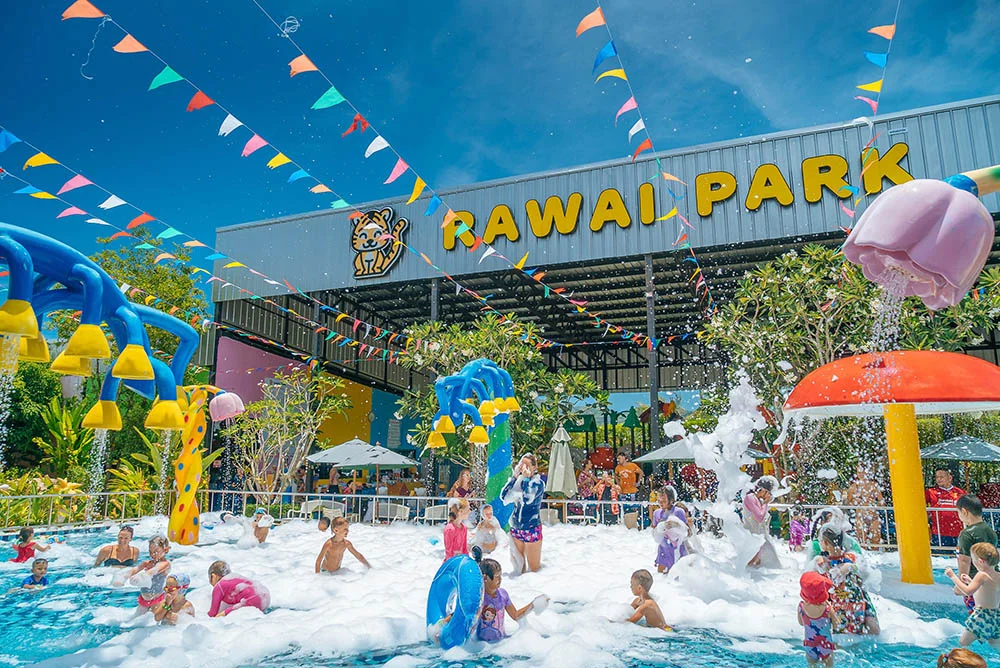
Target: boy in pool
261, 525
37, 579
984, 622
153, 574
485, 537
174, 600
332, 554
324, 524
644, 605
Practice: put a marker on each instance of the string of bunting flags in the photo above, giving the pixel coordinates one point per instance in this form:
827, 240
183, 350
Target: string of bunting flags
597, 19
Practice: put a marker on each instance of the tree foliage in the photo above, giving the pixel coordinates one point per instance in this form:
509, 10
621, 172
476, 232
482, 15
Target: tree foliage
547, 398
35, 385
66, 444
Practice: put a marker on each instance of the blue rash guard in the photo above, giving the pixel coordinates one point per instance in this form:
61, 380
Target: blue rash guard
530, 490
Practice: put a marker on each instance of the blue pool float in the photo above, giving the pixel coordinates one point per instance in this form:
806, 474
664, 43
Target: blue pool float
460, 580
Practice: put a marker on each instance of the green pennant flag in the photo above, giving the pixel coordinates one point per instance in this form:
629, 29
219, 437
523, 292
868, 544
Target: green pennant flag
330, 98
167, 76
339, 204
462, 229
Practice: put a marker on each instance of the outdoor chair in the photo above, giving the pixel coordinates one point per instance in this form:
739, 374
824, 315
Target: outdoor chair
334, 510
549, 516
436, 513
307, 509
391, 512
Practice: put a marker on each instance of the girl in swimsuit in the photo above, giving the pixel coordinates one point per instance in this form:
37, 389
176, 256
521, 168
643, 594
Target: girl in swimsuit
156, 569
26, 547
120, 554
231, 592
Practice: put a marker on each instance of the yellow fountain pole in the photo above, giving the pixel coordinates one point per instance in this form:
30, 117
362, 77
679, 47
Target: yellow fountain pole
906, 476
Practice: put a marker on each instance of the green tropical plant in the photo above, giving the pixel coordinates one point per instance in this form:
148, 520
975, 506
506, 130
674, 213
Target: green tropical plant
66, 446
67, 507
147, 474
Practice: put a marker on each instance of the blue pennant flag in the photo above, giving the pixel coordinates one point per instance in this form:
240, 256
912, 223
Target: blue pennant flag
433, 205
606, 52
7, 139
877, 58
301, 174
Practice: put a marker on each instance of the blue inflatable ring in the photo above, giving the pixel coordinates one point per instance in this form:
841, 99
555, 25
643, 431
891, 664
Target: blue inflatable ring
460, 579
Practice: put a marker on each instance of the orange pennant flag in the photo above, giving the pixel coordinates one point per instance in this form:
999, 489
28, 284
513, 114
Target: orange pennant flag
82, 9
670, 177
118, 235
320, 189
300, 65
591, 20
129, 44
646, 145
448, 217
163, 256
141, 219
888, 32
199, 101
194, 244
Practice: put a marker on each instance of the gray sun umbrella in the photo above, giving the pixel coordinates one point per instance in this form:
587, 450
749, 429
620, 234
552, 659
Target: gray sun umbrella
561, 477
680, 451
963, 448
358, 454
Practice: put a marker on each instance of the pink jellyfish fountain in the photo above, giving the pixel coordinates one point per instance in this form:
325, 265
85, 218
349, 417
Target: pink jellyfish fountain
225, 405
934, 235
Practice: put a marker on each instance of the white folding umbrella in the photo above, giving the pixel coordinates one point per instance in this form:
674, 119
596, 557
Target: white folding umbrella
358, 454
562, 477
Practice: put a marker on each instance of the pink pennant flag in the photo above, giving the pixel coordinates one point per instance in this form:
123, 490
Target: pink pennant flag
397, 171
77, 181
255, 143
628, 106
846, 210
871, 103
72, 211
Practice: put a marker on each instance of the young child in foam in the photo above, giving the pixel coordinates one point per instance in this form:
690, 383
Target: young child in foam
261, 525
151, 575
174, 600
646, 609
231, 592
756, 518
831, 516
37, 579
324, 524
816, 617
670, 529
961, 658
485, 537
456, 535
26, 546
854, 610
798, 529
984, 622
496, 602
332, 554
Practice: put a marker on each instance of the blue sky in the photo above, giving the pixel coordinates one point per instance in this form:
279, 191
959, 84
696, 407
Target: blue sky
466, 91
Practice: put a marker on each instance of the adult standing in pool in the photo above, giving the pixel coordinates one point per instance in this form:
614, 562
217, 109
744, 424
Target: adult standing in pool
120, 554
525, 491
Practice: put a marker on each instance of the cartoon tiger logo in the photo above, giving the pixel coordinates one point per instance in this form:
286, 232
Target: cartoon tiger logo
375, 256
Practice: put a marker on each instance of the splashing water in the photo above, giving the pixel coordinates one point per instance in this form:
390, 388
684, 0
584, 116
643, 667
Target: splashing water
165, 469
888, 308
9, 347
479, 470
98, 457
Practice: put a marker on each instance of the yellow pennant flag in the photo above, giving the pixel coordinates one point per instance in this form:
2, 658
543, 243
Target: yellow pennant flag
38, 160
340, 317
233, 264
520, 263
43, 195
875, 86
278, 160
418, 187
618, 74
670, 214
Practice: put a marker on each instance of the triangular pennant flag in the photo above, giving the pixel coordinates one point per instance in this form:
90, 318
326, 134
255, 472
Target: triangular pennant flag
163, 256
129, 44
877, 58
145, 246
328, 99
490, 250
448, 217
359, 120
607, 51
591, 20
278, 161
870, 102
418, 187
300, 65
77, 181
27, 190
669, 214
81, 9
119, 235
228, 125
320, 188
670, 177
646, 145
339, 204
216, 256
300, 174
462, 229
38, 160
887, 32
141, 219
166, 76
639, 125
169, 233
875, 86
520, 263
377, 145
254, 144
199, 101
98, 221
433, 205
628, 106
231, 265
41, 194
111, 202
194, 243
7, 139
617, 73
397, 171
72, 211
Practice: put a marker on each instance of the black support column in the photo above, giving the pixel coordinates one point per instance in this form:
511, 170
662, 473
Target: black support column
654, 371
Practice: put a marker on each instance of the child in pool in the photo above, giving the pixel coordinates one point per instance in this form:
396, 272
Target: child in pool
174, 601
485, 537
37, 579
816, 617
646, 609
261, 525
496, 602
324, 524
26, 546
155, 569
234, 592
984, 621
854, 610
332, 554
798, 529
961, 658
672, 547
456, 536
756, 514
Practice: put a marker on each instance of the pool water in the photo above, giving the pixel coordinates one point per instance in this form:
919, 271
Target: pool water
375, 618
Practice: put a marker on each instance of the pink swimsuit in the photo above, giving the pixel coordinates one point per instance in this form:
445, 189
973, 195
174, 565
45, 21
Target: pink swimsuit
237, 592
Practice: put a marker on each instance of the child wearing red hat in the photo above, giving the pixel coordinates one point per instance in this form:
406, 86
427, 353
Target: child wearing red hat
816, 617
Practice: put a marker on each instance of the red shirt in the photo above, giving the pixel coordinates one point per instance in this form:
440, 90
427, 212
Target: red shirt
944, 522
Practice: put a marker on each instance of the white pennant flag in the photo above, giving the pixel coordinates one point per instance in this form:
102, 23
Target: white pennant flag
125, 287
639, 125
377, 145
490, 250
98, 221
458, 289
228, 125
112, 202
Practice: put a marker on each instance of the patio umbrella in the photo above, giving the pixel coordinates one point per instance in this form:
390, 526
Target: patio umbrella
680, 451
963, 448
562, 477
358, 454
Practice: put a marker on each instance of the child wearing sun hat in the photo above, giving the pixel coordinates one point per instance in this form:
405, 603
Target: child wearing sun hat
816, 618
